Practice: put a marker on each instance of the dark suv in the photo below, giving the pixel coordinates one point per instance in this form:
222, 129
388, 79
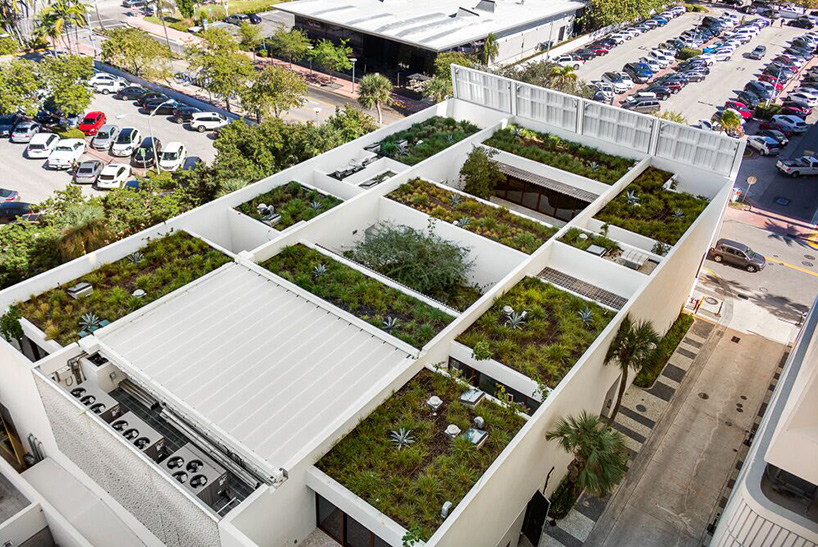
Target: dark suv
738, 254
639, 72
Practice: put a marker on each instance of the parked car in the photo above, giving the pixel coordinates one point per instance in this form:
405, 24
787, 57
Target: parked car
109, 86
799, 111
11, 210
236, 19
661, 92
126, 142
91, 123
739, 108
748, 98
568, 60
7, 195
103, 77
738, 254
780, 137
766, 146
88, 171
173, 156
798, 125
254, 19
190, 163
7, 123
802, 22
598, 49
804, 96
113, 176
639, 72
803, 166
24, 131
151, 96
644, 105
66, 154
41, 145
695, 75
105, 137
160, 106
130, 93
145, 156
134, 3
208, 121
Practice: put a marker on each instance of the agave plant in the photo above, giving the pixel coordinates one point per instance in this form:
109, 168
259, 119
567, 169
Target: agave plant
517, 131
402, 438
89, 321
678, 213
593, 166
316, 205
632, 198
463, 222
586, 316
390, 323
135, 258
515, 320
319, 271
455, 200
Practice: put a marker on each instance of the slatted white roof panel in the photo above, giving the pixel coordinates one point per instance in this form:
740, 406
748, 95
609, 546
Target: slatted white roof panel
431, 24
254, 359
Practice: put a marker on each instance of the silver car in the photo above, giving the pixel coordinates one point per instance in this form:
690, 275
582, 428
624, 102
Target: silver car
88, 171
105, 137
23, 131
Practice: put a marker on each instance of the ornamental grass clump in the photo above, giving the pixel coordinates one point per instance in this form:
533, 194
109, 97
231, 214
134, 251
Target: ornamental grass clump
573, 237
293, 202
388, 309
410, 481
425, 139
645, 207
159, 268
419, 259
560, 153
557, 329
496, 223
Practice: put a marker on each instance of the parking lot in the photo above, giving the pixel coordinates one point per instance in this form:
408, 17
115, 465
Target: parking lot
35, 183
697, 100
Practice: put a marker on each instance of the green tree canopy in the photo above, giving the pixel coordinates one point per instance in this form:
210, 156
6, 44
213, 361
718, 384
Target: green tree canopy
292, 45
219, 62
250, 36
65, 79
135, 51
479, 174
330, 57
274, 90
444, 61
374, 91
186, 7
19, 86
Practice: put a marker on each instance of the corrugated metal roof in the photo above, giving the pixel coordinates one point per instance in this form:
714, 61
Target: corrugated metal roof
255, 359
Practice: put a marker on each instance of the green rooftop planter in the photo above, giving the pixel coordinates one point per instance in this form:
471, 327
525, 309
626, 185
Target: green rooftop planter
425, 139
560, 153
496, 223
389, 309
293, 202
645, 207
410, 481
545, 343
122, 287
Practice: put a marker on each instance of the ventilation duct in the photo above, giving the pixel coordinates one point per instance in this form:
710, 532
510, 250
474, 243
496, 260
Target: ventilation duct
486, 5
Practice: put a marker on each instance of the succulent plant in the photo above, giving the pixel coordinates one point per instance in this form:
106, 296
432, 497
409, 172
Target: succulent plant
632, 198
455, 200
402, 438
515, 320
390, 323
463, 222
316, 205
319, 271
89, 321
593, 166
135, 258
678, 213
586, 316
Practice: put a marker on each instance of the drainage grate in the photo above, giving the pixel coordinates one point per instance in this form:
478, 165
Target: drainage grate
735, 339
587, 290
703, 395
807, 264
782, 201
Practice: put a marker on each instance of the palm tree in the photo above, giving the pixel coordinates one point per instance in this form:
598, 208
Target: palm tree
633, 347
490, 49
730, 121
84, 229
673, 116
59, 17
375, 90
563, 78
599, 453
438, 89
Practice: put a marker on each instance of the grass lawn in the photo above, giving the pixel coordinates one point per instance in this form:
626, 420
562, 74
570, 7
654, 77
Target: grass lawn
414, 321
410, 485
645, 207
293, 202
566, 155
496, 223
553, 336
425, 139
673, 337
161, 267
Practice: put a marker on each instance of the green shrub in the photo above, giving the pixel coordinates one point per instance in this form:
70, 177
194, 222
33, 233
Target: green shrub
71, 133
687, 52
673, 337
765, 111
480, 175
696, 8
8, 45
563, 499
293, 202
562, 154
426, 138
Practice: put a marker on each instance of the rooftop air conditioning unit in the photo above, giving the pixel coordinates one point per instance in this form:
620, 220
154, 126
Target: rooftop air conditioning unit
197, 472
96, 400
140, 435
80, 290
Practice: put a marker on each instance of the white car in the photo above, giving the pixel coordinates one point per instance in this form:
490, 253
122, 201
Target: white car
723, 54
41, 145
654, 64
126, 142
66, 154
618, 37
804, 96
109, 86
567, 60
766, 146
113, 176
632, 32
626, 79
791, 123
207, 121
615, 80
173, 156
100, 77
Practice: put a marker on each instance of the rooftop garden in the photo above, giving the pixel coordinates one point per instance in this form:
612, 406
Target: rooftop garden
389, 309
288, 204
562, 154
496, 223
645, 207
420, 260
425, 139
582, 240
401, 460
537, 329
121, 287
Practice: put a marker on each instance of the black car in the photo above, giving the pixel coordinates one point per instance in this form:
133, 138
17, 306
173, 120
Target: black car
802, 22
661, 92
607, 43
779, 137
160, 106
748, 98
191, 163
757, 89
584, 54
254, 19
7, 123
145, 155
130, 93
184, 113
11, 210
151, 96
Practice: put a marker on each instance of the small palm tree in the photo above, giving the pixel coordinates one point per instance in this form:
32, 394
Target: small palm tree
633, 347
375, 91
84, 228
730, 121
599, 453
438, 89
490, 49
563, 78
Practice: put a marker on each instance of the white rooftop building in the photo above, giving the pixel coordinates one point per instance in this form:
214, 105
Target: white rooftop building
209, 402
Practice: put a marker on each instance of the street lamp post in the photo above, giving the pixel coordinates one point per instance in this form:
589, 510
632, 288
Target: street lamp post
150, 133
354, 60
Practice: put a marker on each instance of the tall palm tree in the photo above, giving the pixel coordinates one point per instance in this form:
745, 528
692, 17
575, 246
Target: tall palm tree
490, 49
563, 78
633, 347
599, 453
58, 17
375, 90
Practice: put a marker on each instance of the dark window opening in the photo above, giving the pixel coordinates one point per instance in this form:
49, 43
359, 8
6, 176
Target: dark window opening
343, 528
490, 385
537, 198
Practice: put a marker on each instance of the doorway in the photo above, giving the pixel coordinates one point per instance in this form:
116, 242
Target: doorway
535, 514
607, 406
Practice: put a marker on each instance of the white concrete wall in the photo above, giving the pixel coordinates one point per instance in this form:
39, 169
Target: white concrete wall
522, 44
23, 525
597, 271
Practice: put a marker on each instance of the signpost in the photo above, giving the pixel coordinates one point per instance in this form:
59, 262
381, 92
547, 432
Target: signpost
750, 181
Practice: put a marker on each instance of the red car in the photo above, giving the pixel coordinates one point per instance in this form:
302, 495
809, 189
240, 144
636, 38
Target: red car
739, 107
599, 50
770, 79
91, 123
793, 110
769, 124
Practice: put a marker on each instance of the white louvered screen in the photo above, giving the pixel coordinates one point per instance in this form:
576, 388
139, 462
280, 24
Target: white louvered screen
618, 126
696, 147
546, 106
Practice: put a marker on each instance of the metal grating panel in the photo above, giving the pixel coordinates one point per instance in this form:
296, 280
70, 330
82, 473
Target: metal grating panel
550, 107
582, 288
545, 182
483, 89
618, 126
696, 147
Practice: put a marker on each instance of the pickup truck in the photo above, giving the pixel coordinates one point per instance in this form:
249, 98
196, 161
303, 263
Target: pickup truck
805, 165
